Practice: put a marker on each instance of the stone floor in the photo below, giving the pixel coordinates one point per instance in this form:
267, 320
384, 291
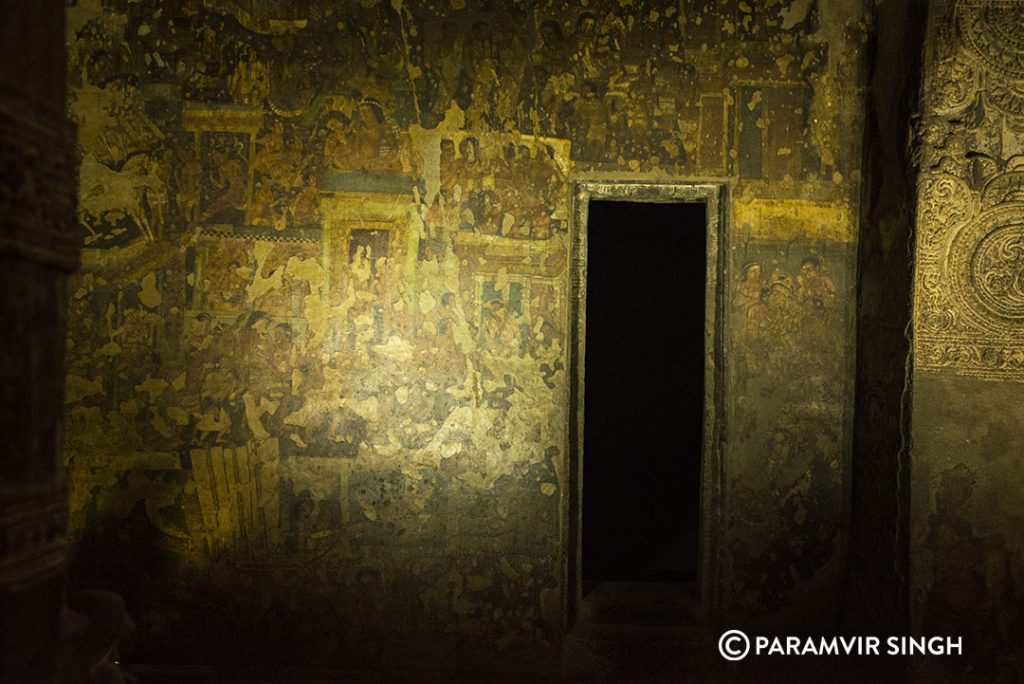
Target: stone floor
626, 632
657, 633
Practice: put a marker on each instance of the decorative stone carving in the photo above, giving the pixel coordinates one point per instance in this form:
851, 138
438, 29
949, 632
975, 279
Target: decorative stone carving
967, 358
969, 293
1006, 187
956, 86
971, 301
937, 321
994, 270
947, 201
1007, 98
992, 31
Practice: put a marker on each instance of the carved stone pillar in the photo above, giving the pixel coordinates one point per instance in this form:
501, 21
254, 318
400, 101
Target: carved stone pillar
39, 247
967, 543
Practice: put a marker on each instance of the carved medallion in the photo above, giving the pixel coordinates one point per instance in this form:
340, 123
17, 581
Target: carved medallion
997, 271
985, 269
1006, 187
1007, 98
993, 31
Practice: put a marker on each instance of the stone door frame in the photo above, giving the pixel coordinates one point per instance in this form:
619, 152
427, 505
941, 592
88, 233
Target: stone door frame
713, 196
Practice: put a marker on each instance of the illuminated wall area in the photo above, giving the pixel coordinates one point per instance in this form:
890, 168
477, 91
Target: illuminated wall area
966, 536
317, 396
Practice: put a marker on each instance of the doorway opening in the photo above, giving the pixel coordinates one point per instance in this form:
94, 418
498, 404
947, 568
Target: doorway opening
646, 369
644, 391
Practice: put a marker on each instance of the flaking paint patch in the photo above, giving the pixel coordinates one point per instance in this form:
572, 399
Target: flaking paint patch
788, 219
795, 13
149, 295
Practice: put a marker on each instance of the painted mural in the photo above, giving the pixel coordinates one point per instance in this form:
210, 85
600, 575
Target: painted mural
318, 348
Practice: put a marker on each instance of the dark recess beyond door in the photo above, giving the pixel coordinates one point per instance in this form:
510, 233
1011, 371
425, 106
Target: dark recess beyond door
644, 384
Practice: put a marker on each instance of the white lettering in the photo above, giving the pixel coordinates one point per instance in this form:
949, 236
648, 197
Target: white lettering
857, 645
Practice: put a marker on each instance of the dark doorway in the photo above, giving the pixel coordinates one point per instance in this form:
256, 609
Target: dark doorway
644, 391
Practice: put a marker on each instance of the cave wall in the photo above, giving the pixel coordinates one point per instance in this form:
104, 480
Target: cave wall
967, 537
317, 393
878, 590
39, 247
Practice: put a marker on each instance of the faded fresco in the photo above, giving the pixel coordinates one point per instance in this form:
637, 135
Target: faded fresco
787, 311
968, 320
318, 347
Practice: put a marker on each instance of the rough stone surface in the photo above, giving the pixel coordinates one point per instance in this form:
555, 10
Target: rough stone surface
877, 595
39, 244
